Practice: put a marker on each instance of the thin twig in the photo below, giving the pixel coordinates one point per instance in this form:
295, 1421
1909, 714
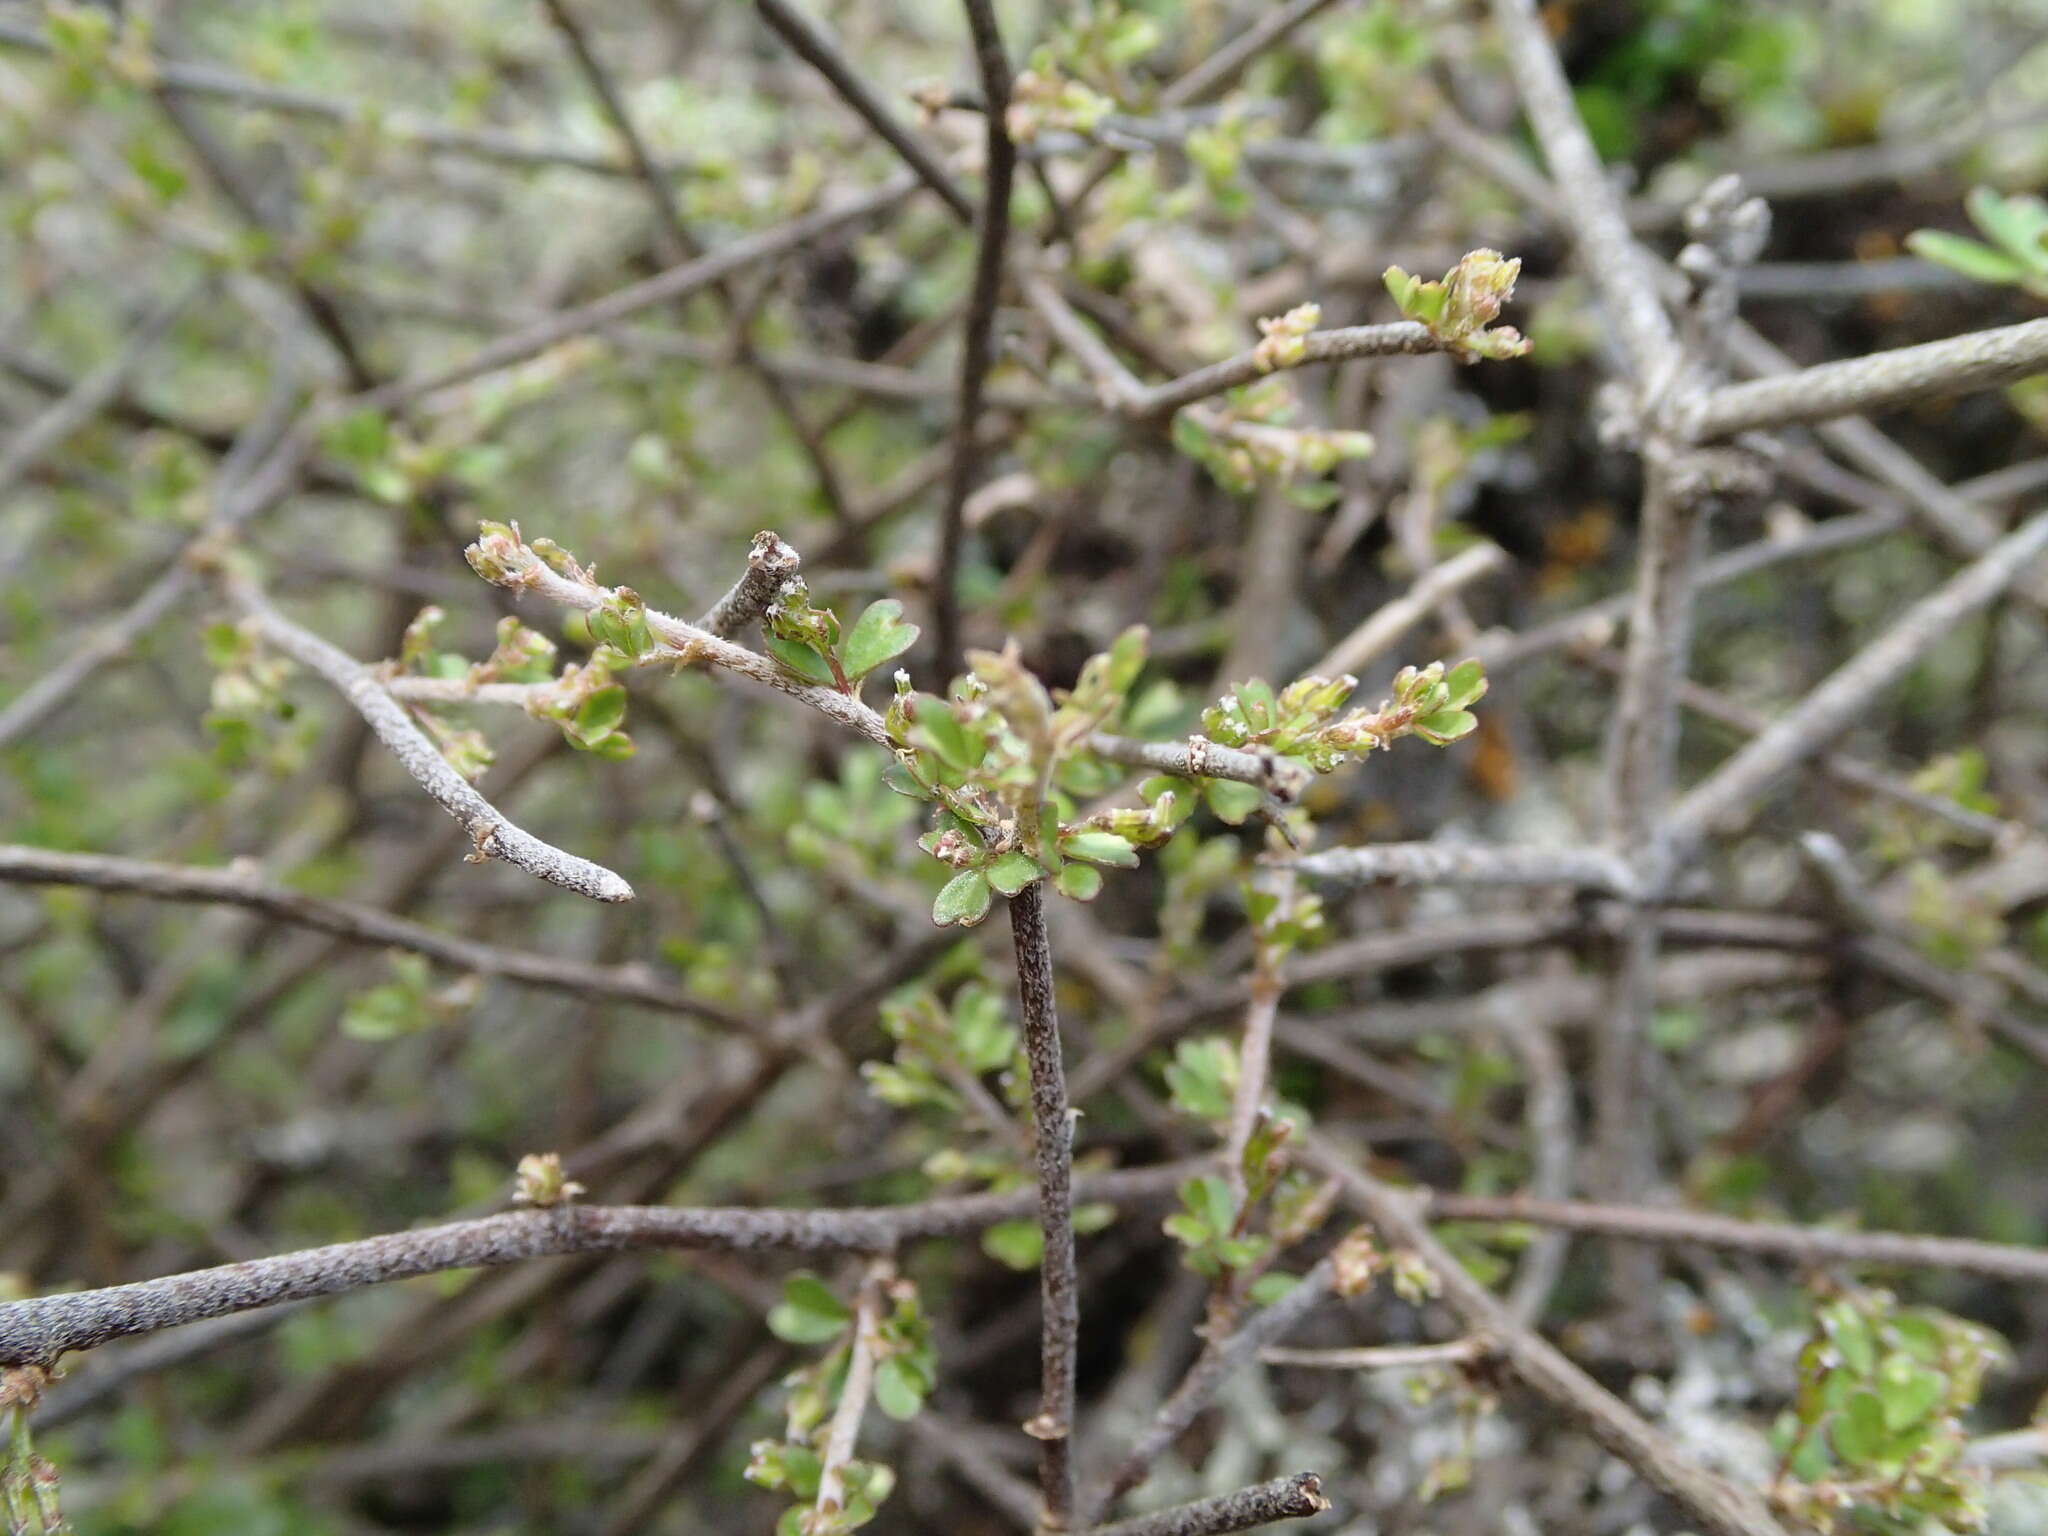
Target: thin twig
844, 1433
1053, 1129
1810, 725
1284, 1498
1592, 869
40, 1329
1334, 346
1721, 1507
359, 924
978, 340
770, 563
811, 43
1878, 382
1380, 1357
1388, 623
492, 834
1812, 1245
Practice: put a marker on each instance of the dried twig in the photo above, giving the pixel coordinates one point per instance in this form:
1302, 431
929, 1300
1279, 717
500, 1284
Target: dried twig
1284, 1498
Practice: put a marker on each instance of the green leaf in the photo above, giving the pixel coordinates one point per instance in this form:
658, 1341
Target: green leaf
808, 1313
1965, 256
879, 635
801, 659
1013, 871
1019, 1244
1467, 682
2019, 223
1231, 801
1083, 882
1858, 1430
1910, 1392
1270, 1287
601, 714
898, 1389
1101, 848
1446, 726
963, 900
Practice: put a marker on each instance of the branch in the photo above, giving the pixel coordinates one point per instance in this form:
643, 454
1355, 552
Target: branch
1803, 1245
1053, 1127
1218, 1361
1880, 381
493, 835
1200, 758
815, 47
1391, 621
37, 1331
1808, 726
853, 1394
979, 336
1591, 869
1720, 1507
1597, 223
677, 282
770, 563
1381, 1357
360, 925
91, 394
1335, 346
1284, 1498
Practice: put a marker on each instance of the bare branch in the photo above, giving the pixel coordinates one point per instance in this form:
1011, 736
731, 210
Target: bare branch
1284, 1498
1810, 725
1200, 758
769, 564
1879, 382
811, 43
978, 346
1380, 1357
844, 1432
1802, 1245
1720, 1507
1387, 624
1334, 346
233, 886
493, 835
1590, 869
1053, 1127
37, 1331
1596, 221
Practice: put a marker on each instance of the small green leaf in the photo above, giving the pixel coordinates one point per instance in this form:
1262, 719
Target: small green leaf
1019, 1244
801, 659
1965, 256
1270, 1287
879, 635
1467, 682
1083, 882
963, 900
1858, 1430
601, 713
2018, 223
1013, 871
1101, 848
808, 1313
1231, 801
1445, 726
898, 1390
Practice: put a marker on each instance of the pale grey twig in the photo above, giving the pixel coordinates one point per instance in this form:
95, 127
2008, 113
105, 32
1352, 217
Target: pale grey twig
491, 833
1592, 869
1388, 623
1333, 346
633, 983
91, 394
1876, 382
1200, 758
1284, 1498
770, 563
38, 1330
1783, 1240
1810, 725
1720, 1506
